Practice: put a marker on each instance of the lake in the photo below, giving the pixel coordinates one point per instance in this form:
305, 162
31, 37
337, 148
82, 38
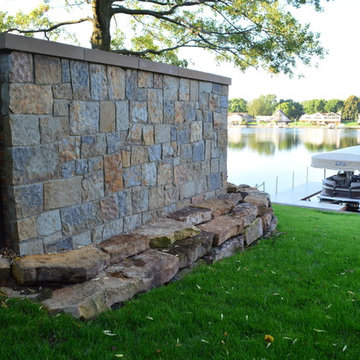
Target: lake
257, 155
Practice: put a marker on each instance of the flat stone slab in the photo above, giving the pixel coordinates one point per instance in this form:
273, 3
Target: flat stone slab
225, 250
190, 249
253, 232
153, 267
192, 215
217, 206
233, 198
164, 232
66, 268
89, 299
4, 268
223, 228
123, 246
260, 199
245, 211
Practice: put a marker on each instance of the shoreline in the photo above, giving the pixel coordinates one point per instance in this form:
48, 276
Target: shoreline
230, 126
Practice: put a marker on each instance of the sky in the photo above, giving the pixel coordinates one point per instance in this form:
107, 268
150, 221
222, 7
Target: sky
336, 76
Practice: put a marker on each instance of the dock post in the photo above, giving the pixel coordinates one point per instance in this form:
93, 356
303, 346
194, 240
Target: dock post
276, 185
293, 179
307, 174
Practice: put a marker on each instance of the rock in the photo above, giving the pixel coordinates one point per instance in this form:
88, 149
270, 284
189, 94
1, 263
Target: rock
190, 249
223, 227
69, 267
245, 211
47, 70
267, 218
93, 297
155, 106
253, 232
231, 188
84, 117
260, 199
218, 207
271, 227
227, 249
4, 268
155, 268
192, 215
235, 199
164, 232
113, 173
122, 246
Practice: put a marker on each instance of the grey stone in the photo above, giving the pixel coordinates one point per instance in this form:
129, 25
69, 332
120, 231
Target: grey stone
196, 131
48, 223
124, 202
184, 89
190, 111
122, 115
191, 249
220, 120
109, 208
132, 222
84, 117
138, 111
155, 106
113, 141
61, 108
4, 268
155, 153
187, 190
198, 151
217, 89
208, 131
164, 232
131, 87
28, 200
225, 250
69, 149
33, 246
65, 71
62, 192
93, 145
145, 79
96, 163
224, 102
218, 207
180, 115
80, 218
149, 177
139, 155
214, 181
260, 199
165, 173
81, 167
69, 267
26, 229
183, 135
92, 186
156, 197
192, 215
132, 176
253, 232
246, 211
186, 151
140, 199
134, 134
205, 87
24, 130
194, 90
47, 70
167, 150
113, 228
171, 88
80, 80
169, 112
162, 134
98, 82
62, 91
21, 68
53, 128
173, 133
61, 244
116, 81
83, 239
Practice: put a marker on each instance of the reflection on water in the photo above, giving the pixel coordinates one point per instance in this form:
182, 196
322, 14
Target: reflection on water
256, 155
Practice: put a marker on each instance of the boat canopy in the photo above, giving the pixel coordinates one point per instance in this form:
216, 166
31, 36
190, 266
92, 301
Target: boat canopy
346, 159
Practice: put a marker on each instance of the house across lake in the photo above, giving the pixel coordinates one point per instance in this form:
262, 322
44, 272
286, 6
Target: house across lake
321, 118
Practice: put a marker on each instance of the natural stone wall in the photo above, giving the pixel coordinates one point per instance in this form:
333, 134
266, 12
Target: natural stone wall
90, 150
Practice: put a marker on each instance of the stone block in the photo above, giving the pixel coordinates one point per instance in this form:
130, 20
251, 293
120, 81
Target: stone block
158, 81
65, 71
267, 219
168, 150
113, 228
132, 91
84, 117
198, 151
87, 300
32, 246
155, 153
62, 91
48, 223
156, 197
169, 112
183, 134
93, 145
246, 211
107, 116
192, 215
182, 174
47, 70
65, 268
148, 134
98, 82
225, 250
260, 199
126, 158
132, 222
184, 89
80, 218
191, 249
113, 173
149, 177
4, 268
123, 246
191, 112
134, 134
58, 244
53, 128
196, 131
138, 111
109, 208
208, 131
145, 79
179, 108
95, 164
223, 228
61, 108
155, 106
81, 167
69, 149
28, 200
222, 138
122, 115
214, 103
26, 228
132, 176
164, 232
214, 181
116, 81
23, 130
80, 80
188, 189
59, 193
21, 67
165, 173
140, 199
171, 194
253, 232
218, 207
139, 155
93, 186
220, 120
194, 90
30, 99
162, 134
81, 240
171, 88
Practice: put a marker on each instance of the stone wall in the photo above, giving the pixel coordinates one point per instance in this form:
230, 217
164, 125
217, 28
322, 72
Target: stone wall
95, 144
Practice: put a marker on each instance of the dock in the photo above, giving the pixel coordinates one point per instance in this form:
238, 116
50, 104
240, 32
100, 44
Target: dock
297, 197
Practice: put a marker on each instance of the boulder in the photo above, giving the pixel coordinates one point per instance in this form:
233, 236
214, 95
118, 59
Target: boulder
66, 268
4, 268
232, 198
217, 206
89, 299
190, 249
192, 215
225, 250
260, 199
245, 211
164, 232
223, 228
153, 267
122, 246
253, 232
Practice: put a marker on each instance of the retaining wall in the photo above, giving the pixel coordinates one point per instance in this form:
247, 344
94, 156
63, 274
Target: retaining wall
94, 144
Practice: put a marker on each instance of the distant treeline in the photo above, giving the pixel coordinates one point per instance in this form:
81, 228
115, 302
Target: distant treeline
267, 104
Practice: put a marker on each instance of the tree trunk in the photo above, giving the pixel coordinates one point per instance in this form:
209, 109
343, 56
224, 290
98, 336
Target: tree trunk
100, 38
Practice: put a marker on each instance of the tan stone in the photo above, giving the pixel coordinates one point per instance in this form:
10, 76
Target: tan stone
164, 232
26, 228
21, 67
47, 70
134, 135
139, 155
145, 79
218, 207
260, 199
109, 209
225, 250
107, 116
223, 227
116, 79
4, 268
113, 173
245, 211
62, 192
179, 112
126, 157
122, 246
192, 215
69, 267
30, 99
253, 232
165, 173
148, 135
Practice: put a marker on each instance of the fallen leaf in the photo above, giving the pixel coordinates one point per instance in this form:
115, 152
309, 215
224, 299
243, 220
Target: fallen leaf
199, 287
119, 355
108, 333
149, 318
344, 348
320, 331
294, 342
204, 341
221, 316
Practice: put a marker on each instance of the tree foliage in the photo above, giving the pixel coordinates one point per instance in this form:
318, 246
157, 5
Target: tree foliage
247, 33
292, 109
351, 108
237, 105
314, 106
334, 105
262, 106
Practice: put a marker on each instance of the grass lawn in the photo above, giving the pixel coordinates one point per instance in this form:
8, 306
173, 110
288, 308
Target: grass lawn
302, 287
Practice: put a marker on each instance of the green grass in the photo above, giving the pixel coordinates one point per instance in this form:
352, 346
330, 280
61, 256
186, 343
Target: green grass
302, 287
